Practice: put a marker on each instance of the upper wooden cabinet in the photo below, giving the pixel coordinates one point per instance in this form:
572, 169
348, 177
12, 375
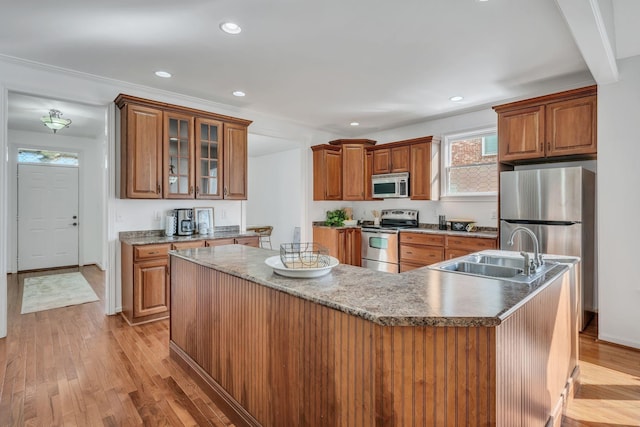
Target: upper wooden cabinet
557, 125
357, 157
174, 152
141, 152
391, 160
327, 172
354, 158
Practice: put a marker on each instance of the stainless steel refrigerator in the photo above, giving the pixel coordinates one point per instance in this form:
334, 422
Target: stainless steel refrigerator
558, 205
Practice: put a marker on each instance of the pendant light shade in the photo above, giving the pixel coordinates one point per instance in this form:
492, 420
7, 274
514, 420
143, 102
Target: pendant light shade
54, 122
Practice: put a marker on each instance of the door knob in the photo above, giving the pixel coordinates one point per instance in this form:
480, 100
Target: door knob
75, 216
74, 224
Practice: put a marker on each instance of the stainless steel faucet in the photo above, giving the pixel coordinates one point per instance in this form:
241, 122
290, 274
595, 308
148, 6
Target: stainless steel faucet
537, 261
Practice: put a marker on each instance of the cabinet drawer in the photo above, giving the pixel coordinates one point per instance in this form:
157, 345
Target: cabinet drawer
408, 266
423, 255
143, 252
248, 241
422, 239
187, 245
220, 242
471, 243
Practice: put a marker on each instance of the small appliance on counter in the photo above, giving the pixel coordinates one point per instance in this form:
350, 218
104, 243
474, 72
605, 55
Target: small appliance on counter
170, 225
184, 222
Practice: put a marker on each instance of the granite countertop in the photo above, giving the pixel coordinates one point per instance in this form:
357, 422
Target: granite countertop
421, 297
149, 237
481, 232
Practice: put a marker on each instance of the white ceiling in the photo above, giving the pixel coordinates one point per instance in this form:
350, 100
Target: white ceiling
322, 64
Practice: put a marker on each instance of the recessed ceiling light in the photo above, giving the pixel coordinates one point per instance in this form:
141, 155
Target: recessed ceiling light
230, 28
456, 98
238, 93
163, 74
354, 124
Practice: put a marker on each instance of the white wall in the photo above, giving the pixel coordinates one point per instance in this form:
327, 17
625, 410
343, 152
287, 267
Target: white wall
619, 206
91, 197
276, 193
482, 211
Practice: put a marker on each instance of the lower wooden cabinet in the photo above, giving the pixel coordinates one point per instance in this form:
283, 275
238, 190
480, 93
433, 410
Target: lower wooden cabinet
421, 249
345, 244
145, 282
145, 276
246, 240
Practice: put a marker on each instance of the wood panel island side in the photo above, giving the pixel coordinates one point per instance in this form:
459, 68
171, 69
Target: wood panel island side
364, 348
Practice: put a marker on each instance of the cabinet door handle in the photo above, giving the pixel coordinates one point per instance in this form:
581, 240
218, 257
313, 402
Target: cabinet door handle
158, 189
191, 189
197, 189
153, 253
548, 146
225, 190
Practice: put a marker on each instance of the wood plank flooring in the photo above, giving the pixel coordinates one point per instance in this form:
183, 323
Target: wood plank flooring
76, 366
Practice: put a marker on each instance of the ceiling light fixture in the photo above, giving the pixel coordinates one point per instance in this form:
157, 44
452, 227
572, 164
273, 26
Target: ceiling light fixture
354, 124
163, 74
54, 122
456, 98
238, 93
230, 28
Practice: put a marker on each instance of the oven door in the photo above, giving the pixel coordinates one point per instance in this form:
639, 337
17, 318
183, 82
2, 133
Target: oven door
380, 245
380, 266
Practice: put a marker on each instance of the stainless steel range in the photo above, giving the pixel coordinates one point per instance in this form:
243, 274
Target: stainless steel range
380, 245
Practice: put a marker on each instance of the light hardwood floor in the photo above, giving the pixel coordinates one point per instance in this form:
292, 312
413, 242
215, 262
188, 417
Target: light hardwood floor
76, 366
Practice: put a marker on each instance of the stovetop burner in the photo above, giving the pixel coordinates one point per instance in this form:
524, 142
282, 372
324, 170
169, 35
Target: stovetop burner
396, 219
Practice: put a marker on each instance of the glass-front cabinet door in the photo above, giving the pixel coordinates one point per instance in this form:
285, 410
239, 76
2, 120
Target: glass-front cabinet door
208, 159
178, 156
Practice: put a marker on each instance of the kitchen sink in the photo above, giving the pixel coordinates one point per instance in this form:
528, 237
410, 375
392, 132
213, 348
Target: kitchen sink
487, 270
496, 267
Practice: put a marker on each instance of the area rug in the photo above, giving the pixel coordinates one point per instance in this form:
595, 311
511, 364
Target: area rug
54, 291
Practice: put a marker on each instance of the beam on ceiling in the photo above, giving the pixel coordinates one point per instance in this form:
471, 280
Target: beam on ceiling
587, 25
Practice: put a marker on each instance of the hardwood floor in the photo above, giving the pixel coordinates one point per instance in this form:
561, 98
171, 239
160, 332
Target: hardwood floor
76, 366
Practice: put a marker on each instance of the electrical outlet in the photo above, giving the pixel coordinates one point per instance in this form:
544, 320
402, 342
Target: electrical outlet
156, 215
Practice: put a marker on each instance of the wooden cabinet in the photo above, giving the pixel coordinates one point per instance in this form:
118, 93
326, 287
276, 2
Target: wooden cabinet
327, 172
145, 282
459, 246
359, 159
244, 240
235, 162
558, 125
141, 152
391, 160
424, 182
174, 152
345, 244
353, 166
421, 249
188, 245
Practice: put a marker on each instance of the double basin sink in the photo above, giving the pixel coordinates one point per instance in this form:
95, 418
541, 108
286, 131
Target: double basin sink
497, 267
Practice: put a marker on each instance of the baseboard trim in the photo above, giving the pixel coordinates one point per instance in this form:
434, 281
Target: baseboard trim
232, 409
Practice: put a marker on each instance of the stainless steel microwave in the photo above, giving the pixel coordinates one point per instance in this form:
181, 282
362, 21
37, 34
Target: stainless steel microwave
390, 185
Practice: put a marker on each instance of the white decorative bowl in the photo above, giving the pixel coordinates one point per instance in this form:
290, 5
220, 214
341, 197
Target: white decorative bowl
279, 268
350, 222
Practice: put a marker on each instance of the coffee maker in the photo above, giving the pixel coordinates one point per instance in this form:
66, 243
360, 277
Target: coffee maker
184, 222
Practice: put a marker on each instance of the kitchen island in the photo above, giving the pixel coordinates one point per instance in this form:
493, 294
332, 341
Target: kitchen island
361, 347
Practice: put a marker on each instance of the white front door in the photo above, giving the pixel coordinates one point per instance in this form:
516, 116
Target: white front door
47, 216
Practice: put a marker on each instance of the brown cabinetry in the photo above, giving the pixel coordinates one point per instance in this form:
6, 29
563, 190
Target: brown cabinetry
421, 249
327, 172
391, 160
245, 240
560, 125
345, 244
174, 152
141, 152
359, 159
188, 245
145, 282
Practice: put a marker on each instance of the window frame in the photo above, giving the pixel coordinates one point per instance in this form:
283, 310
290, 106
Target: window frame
445, 156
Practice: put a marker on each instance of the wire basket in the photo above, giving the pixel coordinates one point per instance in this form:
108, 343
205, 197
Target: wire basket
304, 255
